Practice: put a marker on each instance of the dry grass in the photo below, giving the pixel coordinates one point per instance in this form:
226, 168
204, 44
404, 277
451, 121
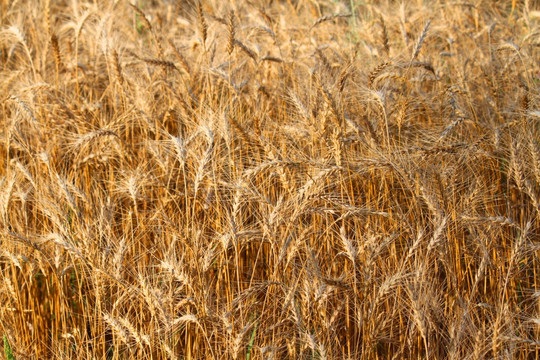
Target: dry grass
270, 180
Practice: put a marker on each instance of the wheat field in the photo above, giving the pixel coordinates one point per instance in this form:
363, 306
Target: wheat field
270, 179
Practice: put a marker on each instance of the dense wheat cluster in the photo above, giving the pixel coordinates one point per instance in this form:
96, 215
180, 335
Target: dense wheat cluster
289, 179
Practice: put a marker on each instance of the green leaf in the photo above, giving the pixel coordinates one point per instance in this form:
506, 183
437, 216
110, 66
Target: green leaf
250, 344
7, 349
139, 26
